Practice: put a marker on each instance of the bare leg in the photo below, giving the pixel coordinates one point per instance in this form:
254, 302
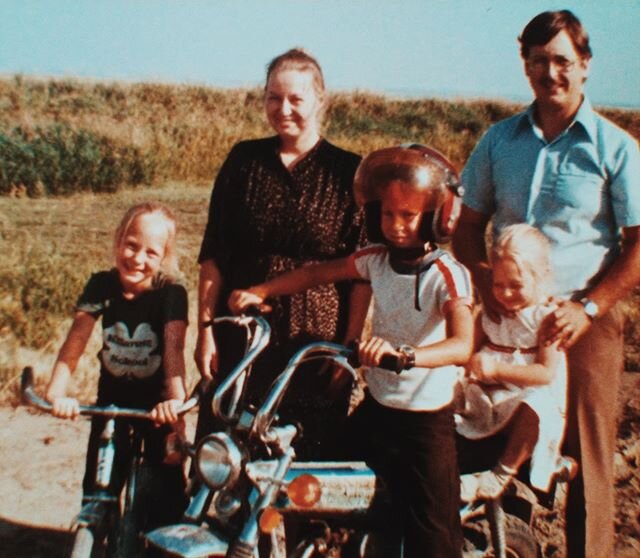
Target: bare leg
523, 435
523, 430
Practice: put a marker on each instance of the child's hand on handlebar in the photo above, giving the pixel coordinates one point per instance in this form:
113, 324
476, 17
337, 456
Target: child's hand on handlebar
166, 411
65, 407
371, 351
240, 300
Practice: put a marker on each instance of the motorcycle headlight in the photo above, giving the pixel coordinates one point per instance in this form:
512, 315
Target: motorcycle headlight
218, 460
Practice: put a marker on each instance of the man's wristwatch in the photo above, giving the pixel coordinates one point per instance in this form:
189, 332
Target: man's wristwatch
407, 357
590, 308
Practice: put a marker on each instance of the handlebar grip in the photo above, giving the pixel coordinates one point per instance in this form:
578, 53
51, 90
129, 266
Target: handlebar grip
26, 380
395, 363
391, 362
253, 310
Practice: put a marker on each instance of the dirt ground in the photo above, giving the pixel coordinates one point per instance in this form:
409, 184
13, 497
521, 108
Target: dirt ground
43, 462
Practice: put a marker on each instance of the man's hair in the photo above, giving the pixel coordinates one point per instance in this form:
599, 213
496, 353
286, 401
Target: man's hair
545, 26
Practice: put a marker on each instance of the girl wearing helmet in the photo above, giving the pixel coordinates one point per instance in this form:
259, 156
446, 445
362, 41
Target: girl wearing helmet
422, 302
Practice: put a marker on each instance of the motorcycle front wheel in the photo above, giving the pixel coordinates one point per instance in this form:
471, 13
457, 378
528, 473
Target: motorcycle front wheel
521, 542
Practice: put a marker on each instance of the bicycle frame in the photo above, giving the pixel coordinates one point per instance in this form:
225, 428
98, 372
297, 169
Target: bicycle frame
101, 510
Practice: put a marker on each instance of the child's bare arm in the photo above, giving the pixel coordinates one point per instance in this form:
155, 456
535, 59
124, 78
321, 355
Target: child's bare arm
487, 369
174, 367
292, 282
457, 347
66, 363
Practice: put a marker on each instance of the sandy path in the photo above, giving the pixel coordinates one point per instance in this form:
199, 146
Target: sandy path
42, 463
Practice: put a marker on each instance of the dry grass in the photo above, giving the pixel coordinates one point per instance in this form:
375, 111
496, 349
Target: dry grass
51, 245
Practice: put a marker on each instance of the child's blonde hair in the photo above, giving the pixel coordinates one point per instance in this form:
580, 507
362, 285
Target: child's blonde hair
530, 250
169, 264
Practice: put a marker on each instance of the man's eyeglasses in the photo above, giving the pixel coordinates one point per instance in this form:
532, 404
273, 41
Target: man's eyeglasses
541, 63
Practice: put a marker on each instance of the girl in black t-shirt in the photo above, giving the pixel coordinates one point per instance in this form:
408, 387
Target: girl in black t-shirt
144, 321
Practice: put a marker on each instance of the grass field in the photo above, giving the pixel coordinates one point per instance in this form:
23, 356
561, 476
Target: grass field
77, 138
50, 246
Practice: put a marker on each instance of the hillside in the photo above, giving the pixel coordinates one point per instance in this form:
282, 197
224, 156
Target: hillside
75, 154
60, 136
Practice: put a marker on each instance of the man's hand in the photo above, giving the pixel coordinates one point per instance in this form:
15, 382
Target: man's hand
206, 353
565, 325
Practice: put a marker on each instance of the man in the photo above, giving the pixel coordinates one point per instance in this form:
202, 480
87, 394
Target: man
564, 169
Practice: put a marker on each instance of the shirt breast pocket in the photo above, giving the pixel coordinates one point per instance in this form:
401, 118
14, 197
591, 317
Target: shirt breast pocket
582, 192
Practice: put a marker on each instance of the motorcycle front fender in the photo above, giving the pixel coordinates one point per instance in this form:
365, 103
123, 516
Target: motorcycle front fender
188, 541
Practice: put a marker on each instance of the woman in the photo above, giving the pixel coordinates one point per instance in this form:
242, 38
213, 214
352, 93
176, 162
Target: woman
278, 203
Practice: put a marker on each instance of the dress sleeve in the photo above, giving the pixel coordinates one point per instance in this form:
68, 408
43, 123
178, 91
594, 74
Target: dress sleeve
213, 241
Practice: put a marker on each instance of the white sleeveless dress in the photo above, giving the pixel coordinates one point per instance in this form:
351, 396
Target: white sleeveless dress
483, 410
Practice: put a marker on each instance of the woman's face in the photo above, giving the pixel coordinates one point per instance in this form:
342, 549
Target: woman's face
292, 103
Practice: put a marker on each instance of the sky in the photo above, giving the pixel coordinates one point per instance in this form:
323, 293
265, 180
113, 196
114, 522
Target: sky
430, 48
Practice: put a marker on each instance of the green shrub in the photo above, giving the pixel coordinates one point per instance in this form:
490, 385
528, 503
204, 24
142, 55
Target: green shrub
65, 160
39, 291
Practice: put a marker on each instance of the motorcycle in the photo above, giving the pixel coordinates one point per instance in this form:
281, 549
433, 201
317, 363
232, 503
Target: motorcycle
104, 522
250, 487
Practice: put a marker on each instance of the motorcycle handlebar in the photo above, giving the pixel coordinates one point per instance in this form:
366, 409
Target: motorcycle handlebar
258, 335
389, 361
344, 356
30, 397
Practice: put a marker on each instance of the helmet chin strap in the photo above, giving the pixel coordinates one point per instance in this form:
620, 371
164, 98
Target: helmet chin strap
409, 261
408, 256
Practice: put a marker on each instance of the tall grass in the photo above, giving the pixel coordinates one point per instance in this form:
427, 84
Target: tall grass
154, 133
59, 138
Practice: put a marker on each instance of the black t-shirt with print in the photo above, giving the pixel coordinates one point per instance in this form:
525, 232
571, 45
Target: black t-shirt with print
131, 359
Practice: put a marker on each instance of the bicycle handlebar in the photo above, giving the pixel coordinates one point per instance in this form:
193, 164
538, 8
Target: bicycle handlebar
30, 397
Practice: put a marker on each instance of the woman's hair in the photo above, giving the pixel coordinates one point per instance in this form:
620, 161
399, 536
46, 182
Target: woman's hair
170, 260
545, 26
300, 60
530, 250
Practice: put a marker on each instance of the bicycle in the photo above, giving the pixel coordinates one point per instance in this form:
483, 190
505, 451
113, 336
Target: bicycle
105, 516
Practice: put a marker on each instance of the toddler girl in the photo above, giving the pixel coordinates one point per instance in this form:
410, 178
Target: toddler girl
144, 321
514, 383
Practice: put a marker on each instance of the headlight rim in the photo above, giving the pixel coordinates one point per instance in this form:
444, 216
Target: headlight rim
233, 459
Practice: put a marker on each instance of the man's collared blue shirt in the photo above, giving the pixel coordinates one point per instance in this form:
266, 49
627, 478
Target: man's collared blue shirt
579, 189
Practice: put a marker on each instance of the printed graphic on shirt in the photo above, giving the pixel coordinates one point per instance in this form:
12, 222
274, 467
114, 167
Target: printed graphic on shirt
125, 355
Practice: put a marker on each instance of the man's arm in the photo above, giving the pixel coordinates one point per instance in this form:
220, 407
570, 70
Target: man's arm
470, 249
569, 322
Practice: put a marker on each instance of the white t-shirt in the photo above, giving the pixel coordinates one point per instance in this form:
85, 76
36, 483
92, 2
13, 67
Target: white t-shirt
396, 297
